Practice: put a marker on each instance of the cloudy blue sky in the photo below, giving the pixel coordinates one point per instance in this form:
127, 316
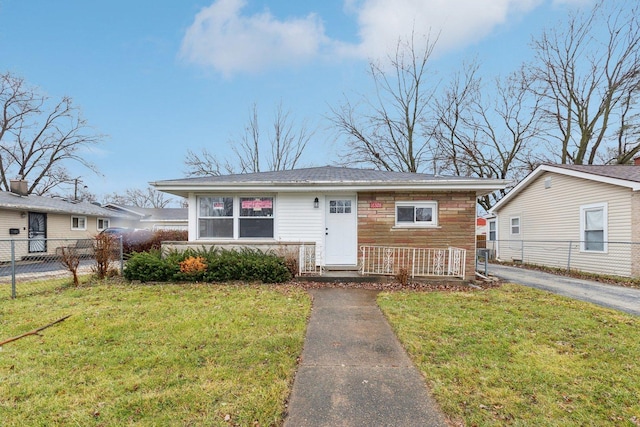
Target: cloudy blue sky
161, 77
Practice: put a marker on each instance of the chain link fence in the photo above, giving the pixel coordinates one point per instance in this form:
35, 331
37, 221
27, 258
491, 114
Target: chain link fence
606, 258
29, 266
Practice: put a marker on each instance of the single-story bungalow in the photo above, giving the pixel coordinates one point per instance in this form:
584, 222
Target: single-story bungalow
341, 218
153, 218
583, 217
41, 223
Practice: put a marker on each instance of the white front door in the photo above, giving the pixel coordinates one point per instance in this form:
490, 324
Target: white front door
341, 235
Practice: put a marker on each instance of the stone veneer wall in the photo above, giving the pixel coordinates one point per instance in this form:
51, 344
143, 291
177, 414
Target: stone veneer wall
456, 222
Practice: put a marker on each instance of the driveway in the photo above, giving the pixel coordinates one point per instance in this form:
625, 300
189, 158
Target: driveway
610, 296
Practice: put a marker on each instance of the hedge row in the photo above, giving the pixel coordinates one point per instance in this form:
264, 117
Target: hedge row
213, 265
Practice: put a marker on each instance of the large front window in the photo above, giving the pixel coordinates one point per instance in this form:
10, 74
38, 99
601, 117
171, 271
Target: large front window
226, 217
256, 217
215, 217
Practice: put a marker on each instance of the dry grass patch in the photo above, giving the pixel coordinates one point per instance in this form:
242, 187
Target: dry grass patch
519, 356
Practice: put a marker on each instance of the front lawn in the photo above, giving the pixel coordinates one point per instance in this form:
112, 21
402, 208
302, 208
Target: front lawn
152, 355
519, 356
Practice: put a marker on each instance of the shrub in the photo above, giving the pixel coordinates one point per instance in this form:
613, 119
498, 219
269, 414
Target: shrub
105, 252
402, 276
193, 265
150, 267
211, 265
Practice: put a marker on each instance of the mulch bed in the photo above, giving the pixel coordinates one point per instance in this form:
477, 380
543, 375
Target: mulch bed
396, 286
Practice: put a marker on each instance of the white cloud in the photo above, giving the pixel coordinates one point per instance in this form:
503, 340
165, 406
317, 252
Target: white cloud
221, 37
230, 41
454, 23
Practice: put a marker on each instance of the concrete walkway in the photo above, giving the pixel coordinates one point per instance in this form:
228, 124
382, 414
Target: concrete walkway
610, 296
354, 371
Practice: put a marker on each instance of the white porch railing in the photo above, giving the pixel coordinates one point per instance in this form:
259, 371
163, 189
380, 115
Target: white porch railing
307, 263
418, 262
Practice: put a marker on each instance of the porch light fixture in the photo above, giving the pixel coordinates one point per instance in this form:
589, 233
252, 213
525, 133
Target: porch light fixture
316, 203
23, 214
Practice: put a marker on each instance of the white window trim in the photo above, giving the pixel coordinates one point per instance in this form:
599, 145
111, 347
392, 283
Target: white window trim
495, 230
103, 221
605, 226
511, 226
418, 203
236, 216
84, 219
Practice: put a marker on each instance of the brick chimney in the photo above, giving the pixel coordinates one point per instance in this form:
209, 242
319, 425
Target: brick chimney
636, 161
19, 186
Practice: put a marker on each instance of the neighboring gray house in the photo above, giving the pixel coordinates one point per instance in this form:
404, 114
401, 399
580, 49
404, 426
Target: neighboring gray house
45, 221
154, 218
591, 212
348, 216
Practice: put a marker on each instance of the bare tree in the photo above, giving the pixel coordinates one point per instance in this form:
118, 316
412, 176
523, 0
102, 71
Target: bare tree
287, 143
488, 134
590, 84
282, 149
391, 131
148, 198
38, 136
205, 163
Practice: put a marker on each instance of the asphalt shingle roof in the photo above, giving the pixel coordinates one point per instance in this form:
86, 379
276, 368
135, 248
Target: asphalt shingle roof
324, 174
32, 202
155, 214
626, 172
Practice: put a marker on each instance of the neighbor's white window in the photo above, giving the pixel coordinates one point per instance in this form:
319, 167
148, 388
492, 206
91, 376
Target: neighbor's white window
416, 214
103, 223
515, 225
226, 217
78, 222
492, 230
593, 227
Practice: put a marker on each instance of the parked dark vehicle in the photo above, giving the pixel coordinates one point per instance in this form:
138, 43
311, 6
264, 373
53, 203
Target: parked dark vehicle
133, 239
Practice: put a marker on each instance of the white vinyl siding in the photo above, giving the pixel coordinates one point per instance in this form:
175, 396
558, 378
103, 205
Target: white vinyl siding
553, 213
298, 221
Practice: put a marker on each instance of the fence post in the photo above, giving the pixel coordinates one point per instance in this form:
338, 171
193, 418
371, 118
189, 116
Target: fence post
486, 262
569, 257
13, 269
121, 256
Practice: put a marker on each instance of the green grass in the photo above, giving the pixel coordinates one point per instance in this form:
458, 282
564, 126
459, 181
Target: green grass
149, 355
518, 356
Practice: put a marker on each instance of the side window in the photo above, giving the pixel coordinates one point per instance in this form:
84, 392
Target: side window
492, 230
515, 225
79, 223
103, 223
593, 227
